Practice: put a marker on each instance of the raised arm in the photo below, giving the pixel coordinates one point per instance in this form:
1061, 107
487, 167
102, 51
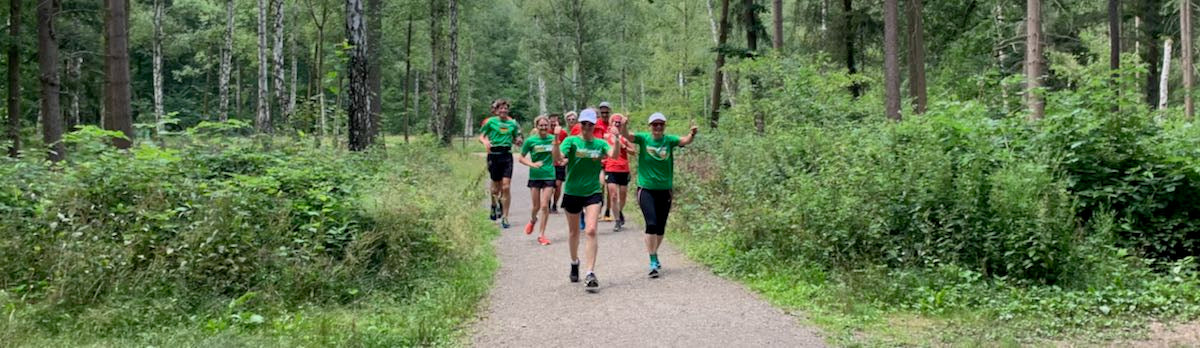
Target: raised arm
558, 157
687, 139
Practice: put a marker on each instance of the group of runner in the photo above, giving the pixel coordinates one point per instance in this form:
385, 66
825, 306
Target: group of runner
579, 161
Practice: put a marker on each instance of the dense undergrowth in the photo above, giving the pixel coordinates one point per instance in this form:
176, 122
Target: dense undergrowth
219, 240
986, 225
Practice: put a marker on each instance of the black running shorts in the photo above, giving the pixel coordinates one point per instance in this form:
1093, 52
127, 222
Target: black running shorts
621, 179
500, 163
575, 204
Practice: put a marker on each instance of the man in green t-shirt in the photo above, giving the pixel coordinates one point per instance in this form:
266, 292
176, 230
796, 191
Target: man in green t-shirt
656, 172
498, 135
538, 154
584, 154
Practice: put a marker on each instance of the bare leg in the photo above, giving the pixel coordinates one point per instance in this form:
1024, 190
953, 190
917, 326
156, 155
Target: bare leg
557, 192
612, 199
622, 195
593, 214
573, 235
505, 196
544, 208
535, 193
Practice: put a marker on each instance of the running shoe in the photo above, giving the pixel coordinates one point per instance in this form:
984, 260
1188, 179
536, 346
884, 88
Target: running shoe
607, 217
495, 212
591, 284
582, 222
543, 240
653, 273
553, 209
504, 223
529, 228
618, 226
574, 273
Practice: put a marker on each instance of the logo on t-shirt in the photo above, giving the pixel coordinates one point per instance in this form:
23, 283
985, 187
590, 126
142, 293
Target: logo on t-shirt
587, 153
503, 130
658, 153
543, 148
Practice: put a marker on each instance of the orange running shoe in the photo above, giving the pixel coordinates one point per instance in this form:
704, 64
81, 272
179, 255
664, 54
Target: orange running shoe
543, 240
529, 228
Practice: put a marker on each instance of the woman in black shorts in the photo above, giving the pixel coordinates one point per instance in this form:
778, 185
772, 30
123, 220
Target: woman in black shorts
537, 153
499, 134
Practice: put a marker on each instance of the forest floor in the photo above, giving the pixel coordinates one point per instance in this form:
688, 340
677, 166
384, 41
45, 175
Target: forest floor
532, 303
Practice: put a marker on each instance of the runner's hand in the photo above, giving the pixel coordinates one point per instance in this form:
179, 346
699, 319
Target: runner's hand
694, 128
538, 164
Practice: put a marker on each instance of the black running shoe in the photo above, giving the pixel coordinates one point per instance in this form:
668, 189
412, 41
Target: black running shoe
653, 273
591, 284
574, 273
495, 212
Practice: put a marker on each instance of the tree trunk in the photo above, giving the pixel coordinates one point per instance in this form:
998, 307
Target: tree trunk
434, 71
891, 59
1185, 38
52, 122
777, 40
158, 73
452, 103
1152, 32
581, 85
1033, 59
916, 58
848, 11
237, 85
723, 33
416, 101
262, 120
226, 62
277, 62
291, 105
1166, 72
407, 77
117, 97
1114, 37
541, 93
14, 78
375, 70
750, 20
73, 73
359, 103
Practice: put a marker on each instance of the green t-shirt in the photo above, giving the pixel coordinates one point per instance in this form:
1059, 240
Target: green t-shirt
656, 161
542, 150
583, 165
500, 132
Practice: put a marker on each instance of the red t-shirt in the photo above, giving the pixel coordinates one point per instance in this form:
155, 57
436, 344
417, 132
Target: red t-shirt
599, 131
620, 163
561, 134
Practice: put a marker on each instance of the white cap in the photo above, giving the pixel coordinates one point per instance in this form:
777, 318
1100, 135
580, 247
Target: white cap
587, 115
658, 116
604, 105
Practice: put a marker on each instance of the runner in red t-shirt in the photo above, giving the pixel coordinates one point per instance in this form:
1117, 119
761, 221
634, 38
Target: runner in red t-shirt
616, 169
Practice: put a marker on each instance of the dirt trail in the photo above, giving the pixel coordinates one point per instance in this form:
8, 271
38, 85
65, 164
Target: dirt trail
533, 304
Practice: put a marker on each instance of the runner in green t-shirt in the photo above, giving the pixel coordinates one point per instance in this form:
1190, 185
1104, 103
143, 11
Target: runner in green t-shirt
498, 135
584, 154
538, 154
656, 171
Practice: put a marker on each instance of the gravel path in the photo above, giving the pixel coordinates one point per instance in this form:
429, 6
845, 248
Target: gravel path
533, 304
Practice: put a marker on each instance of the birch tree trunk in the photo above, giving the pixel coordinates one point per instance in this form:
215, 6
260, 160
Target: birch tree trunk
226, 63
277, 62
452, 103
1166, 72
1185, 38
262, 120
1033, 59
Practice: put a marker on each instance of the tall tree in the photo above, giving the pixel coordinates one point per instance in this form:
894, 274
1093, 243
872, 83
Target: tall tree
117, 95
848, 35
359, 103
891, 59
1033, 59
319, 56
375, 77
262, 119
916, 57
753, 27
226, 62
52, 122
279, 9
1114, 37
777, 21
1151, 32
158, 73
452, 103
435, 34
723, 33
1185, 39
1166, 73
407, 75
14, 78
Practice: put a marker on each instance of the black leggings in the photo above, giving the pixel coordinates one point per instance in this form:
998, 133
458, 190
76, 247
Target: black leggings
656, 207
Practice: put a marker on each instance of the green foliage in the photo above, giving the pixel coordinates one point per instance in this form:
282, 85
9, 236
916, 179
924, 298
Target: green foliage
124, 242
